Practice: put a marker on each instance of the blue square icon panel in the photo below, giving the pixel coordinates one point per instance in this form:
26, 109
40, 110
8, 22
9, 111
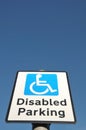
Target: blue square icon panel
41, 84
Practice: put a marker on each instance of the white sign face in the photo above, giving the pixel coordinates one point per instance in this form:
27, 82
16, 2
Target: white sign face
41, 97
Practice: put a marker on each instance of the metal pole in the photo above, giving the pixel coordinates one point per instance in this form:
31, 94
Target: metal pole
40, 126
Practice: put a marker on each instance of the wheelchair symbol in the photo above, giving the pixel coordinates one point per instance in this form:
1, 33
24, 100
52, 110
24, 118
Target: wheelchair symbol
41, 83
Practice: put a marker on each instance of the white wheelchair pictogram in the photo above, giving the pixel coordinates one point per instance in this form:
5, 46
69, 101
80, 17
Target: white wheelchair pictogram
41, 83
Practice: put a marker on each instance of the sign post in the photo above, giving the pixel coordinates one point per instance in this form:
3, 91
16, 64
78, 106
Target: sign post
41, 98
40, 126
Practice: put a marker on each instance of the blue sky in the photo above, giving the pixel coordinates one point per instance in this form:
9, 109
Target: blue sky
49, 35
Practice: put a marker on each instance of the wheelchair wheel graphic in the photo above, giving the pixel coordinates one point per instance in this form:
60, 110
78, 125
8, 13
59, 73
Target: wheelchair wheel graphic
32, 86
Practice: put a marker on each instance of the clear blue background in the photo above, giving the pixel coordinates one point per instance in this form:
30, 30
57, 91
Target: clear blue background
43, 34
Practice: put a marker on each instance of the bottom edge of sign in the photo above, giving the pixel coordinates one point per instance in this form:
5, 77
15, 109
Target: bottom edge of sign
46, 122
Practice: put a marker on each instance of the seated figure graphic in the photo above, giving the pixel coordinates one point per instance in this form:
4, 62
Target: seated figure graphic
41, 83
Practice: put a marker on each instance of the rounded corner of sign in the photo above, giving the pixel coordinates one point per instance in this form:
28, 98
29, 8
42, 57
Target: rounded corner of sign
7, 120
74, 120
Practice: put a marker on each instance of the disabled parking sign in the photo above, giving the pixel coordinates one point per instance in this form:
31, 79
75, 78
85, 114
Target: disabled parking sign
42, 97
